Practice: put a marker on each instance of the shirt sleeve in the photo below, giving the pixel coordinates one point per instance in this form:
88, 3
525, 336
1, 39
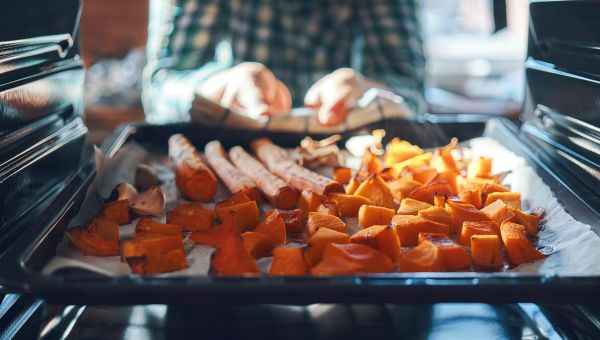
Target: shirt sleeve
182, 36
393, 47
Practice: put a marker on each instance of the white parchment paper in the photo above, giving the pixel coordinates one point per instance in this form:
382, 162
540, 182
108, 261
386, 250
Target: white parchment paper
572, 246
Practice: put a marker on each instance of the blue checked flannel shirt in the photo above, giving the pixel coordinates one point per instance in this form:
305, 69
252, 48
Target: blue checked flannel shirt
299, 40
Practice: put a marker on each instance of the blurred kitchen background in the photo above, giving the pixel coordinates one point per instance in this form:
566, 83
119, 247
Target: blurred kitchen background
475, 51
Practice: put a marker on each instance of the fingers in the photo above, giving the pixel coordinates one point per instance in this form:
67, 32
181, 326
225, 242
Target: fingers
335, 108
283, 99
312, 97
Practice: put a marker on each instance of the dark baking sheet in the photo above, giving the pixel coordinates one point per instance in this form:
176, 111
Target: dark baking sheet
22, 261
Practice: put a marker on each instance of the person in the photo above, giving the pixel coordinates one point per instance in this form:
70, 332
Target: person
265, 57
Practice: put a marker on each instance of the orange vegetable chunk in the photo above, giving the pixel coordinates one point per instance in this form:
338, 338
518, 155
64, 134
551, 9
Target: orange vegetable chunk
470, 228
380, 237
329, 207
462, 211
517, 245
369, 215
310, 200
423, 258
408, 228
454, 256
235, 199
273, 227
191, 216
106, 229
244, 215
410, 206
318, 220
89, 243
336, 266
375, 189
342, 174
427, 192
320, 239
149, 225
480, 167
402, 187
512, 199
398, 150
214, 237
258, 245
349, 205
154, 253
437, 214
472, 197
485, 250
117, 211
352, 186
498, 212
529, 221
370, 260
288, 262
295, 220
232, 259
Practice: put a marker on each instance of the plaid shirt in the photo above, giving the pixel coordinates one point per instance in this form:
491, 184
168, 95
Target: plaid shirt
299, 40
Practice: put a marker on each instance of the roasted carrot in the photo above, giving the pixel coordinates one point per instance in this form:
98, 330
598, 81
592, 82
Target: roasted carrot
233, 178
193, 178
275, 189
277, 161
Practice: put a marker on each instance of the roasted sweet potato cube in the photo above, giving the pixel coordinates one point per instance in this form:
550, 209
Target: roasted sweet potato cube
380, 237
232, 259
518, 247
402, 187
410, 206
235, 199
257, 244
153, 253
352, 186
437, 214
498, 212
310, 200
342, 174
375, 189
191, 216
512, 199
369, 215
318, 220
426, 193
472, 197
273, 228
318, 241
295, 220
408, 228
439, 201
529, 221
288, 262
329, 207
158, 263
454, 256
423, 174
462, 211
371, 260
492, 187
485, 251
423, 258
89, 243
371, 164
149, 225
336, 266
349, 204
470, 228
117, 211
448, 177
443, 160
398, 150
464, 183
480, 167
214, 237
244, 215
106, 229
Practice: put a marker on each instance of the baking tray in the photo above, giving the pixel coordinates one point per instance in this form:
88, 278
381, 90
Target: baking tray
22, 262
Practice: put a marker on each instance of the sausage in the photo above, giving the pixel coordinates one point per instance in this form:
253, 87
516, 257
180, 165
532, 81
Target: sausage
193, 178
233, 178
298, 177
275, 189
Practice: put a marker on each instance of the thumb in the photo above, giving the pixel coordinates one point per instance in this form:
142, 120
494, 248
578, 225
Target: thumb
334, 110
253, 100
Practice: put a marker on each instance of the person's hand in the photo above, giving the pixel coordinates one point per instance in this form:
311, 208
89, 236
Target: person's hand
337, 93
250, 88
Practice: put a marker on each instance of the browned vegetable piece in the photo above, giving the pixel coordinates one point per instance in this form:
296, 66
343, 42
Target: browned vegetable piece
106, 229
448, 177
244, 215
236, 198
428, 191
410, 206
117, 211
90, 243
370, 260
320, 239
481, 168
234, 179
295, 220
257, 244
371, 164
277, 161
398, 150
518, 247
471, 196
232, 259
512, 199
214, 237
152, 253
454, 256
318, 220
349, 204
352, 186
369, 215
336, 266
485, 250
193, 178
342, 174
310, 200
462, 211
423, 173
191, 216
498, 212
273, 227
288, 262
148, 225
375, 189
437, 214
274, 188
529, 221
470, 228
329, 207
423, 258
408, 228
380, 237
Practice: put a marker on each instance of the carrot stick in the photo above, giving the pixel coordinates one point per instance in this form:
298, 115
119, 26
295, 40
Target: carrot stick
297, 176
277, 192
193, 178
233, 178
